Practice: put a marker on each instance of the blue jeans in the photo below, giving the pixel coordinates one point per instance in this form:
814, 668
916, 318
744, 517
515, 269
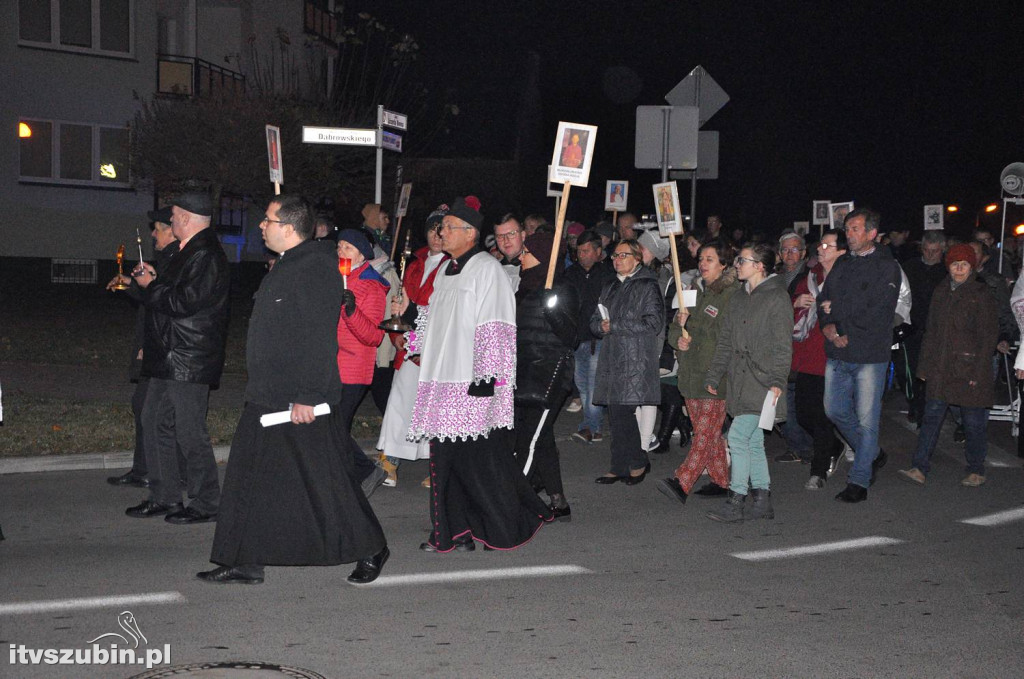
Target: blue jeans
746, 449
797, 438
586, 378
975, 423
853, 401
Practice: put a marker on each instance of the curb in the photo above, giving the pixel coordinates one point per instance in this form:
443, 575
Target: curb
118, 460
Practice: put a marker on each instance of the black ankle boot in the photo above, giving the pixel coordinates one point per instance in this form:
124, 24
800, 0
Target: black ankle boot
685, 430
670, 415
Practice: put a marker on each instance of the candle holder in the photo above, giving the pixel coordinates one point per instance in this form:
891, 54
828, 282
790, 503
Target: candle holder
120, 269
395, 323
344, 268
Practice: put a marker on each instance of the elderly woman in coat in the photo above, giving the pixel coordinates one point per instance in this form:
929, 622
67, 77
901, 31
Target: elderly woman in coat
754, 348
627, 366
956, 364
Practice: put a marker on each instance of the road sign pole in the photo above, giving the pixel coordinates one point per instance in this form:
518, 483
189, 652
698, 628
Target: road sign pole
377, 186
693, 180
666, 112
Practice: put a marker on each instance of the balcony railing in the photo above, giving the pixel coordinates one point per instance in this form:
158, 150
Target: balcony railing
191, 76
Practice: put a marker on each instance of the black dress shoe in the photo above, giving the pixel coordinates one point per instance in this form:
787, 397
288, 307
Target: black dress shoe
853, 493
878, 464
605, 480
561, 513
129, 479
710, 489
670, 488
633, 480
189, 515
229, 575
149, 508
367, 570
460, 546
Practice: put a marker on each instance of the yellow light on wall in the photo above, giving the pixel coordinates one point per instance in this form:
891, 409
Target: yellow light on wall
24, 131
107, 171
992, 207
952, 208
1018, 230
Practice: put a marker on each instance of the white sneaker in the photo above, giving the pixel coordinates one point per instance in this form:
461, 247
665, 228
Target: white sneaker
574, 406
814, 483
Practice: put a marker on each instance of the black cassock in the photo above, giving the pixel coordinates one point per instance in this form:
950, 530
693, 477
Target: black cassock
289, 497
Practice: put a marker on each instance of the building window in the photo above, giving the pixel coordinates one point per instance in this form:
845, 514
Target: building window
91, 26
71, 153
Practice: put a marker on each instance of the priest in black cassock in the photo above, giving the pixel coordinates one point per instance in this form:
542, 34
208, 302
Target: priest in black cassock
290, 498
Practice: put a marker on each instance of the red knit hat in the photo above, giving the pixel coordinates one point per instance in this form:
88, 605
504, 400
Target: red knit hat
961, 253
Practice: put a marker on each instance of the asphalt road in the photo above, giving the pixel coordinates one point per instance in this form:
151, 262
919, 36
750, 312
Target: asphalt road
657, 591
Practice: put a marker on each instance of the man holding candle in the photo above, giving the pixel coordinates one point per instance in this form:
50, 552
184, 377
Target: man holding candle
290, 498
467, 341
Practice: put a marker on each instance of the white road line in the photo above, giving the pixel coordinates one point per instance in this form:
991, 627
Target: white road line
483, 574
813, 550
997, 518
91, 602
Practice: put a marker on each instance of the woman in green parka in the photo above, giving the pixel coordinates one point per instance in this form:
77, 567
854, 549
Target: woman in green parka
694, 350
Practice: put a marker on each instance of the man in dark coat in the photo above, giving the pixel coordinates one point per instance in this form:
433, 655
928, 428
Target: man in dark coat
924, 273
290, 498
956, 363
185, 334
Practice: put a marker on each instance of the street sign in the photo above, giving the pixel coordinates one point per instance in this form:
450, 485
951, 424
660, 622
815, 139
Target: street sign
399, 121
650, 137
699, 89
707, 158
391, 141
339, 135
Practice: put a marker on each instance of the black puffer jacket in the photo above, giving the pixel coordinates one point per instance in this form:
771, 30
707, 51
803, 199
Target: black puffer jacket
546, 331
187, 314
627, 367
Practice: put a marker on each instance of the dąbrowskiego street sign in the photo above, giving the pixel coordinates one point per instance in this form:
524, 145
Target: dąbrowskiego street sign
346, 136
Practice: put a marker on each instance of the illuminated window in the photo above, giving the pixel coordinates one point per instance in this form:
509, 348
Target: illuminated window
92, 26
74, 153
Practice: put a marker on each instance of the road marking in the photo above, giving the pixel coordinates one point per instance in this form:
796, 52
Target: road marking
813, 550
91, 602
997, 518
483, 574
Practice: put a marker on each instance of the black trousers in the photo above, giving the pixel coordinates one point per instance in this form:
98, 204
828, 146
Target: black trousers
380, 388
536, 447
139, 467
810, 414
173, 418
351, 396
626, 451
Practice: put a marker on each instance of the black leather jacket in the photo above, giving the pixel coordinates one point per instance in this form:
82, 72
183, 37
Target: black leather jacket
546, 337
187, 314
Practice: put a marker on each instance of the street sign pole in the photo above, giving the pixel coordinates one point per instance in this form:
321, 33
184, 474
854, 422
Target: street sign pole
693, 180
666, 113
377, 186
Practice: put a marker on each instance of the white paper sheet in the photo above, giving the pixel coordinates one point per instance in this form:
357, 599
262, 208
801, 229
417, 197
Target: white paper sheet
767, 420
689, 298
280, 417
603, 310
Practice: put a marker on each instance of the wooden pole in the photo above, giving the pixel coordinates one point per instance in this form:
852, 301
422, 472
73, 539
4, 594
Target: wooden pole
615, 220
394, 241
559, 222
675, 275
277, 188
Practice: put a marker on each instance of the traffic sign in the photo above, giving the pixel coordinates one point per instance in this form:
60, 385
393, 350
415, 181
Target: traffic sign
391, 141
707, 158
650, 137
399, 121
699, 89
346, 136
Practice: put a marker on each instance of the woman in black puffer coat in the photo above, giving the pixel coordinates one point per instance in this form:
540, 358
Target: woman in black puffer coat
546, 324
627, 367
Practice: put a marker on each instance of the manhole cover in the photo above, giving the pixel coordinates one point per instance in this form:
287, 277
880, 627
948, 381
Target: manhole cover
229, 670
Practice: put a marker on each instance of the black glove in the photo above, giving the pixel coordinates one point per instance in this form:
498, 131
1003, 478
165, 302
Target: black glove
348, 301
481, 389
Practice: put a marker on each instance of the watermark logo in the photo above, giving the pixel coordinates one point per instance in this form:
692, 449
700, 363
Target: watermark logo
99, 654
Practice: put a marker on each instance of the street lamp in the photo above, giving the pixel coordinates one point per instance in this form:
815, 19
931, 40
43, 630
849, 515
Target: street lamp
24, 131
952, 208
991, 207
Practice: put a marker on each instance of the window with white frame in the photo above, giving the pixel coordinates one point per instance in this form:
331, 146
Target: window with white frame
93, 26
53, 151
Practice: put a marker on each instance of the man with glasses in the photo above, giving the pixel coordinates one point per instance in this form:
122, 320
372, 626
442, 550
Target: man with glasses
510, 237
855, 311
588, 276
290, 495
183, 355
793, 267
466, 338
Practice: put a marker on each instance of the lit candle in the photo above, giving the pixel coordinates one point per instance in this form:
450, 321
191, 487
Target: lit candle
344, 268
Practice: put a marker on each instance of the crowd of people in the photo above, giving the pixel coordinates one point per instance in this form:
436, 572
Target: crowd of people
502, 332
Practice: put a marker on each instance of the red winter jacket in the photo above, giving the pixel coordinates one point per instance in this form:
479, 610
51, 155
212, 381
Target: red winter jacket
358, 334
418, 294
809, 355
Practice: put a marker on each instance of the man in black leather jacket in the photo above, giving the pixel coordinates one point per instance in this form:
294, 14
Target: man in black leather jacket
186, 329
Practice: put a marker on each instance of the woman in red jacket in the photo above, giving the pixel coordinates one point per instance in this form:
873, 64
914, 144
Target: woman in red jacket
362, 311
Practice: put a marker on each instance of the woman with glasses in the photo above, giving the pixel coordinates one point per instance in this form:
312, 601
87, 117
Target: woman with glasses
630, 320
753, 355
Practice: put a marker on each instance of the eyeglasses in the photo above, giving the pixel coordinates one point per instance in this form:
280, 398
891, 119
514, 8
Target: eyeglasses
622, 255
739, 261
506, 236
450, 227
826, 246
791, 251
268, 220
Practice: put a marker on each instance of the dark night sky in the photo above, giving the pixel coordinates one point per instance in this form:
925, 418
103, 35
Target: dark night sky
885, 104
